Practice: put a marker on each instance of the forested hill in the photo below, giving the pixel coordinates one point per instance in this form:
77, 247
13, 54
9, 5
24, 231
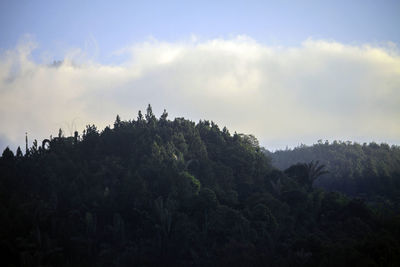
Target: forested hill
160, 192
368, 170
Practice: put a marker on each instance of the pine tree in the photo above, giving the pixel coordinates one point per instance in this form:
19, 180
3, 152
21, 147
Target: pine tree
164, 116
140, 117
117, 122
8, 154
19, 152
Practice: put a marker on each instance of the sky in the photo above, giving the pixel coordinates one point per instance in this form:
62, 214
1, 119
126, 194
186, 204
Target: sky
289, 72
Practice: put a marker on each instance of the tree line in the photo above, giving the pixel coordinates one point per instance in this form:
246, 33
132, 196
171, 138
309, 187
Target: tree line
153, 191
368, 171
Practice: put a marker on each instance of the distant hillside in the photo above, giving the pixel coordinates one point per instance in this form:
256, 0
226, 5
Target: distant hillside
365, 170
156, 192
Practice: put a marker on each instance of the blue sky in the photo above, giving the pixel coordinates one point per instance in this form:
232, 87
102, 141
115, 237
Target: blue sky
58, 26
289, 72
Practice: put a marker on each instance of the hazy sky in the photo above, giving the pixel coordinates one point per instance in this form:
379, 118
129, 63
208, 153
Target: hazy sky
289, 72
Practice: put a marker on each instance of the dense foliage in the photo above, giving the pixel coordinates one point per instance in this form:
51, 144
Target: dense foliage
369, 171
156, 192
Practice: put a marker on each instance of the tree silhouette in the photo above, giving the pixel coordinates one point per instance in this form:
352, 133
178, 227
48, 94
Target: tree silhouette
156, 192
314, 170
306, 173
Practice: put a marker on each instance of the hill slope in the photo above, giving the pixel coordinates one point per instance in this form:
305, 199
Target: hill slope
153, 192
368, 171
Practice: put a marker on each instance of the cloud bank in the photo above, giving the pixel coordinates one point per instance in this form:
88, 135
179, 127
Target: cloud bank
283, 95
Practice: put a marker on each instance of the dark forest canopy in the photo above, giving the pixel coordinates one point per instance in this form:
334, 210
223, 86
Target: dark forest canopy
364, 170
160, 192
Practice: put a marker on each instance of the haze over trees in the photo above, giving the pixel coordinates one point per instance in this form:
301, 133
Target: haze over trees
157, 192
370, 171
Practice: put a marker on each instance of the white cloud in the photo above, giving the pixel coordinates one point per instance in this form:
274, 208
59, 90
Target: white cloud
283, 95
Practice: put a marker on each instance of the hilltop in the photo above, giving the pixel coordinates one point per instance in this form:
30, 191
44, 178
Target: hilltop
153, 191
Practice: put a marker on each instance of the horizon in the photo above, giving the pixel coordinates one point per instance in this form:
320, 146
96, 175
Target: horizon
70, 133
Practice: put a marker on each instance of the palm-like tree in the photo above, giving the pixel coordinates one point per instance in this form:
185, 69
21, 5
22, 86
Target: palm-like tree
314, 170
306, 173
